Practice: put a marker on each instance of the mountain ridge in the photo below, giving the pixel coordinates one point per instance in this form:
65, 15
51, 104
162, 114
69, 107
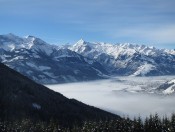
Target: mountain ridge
128, 59
45, 63
83, 61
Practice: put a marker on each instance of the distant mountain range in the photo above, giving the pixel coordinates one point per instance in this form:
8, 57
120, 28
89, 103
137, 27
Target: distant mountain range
128, 59
22, 98
45, 63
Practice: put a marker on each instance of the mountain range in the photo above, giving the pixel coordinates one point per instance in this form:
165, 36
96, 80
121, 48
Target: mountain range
128, 59
45, 63
83, 61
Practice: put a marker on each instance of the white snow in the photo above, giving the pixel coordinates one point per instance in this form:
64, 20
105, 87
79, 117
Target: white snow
8, 46
120, 55
112, 49
171, 81
171, 88
170, 51
16, 58
16, 43
144, 69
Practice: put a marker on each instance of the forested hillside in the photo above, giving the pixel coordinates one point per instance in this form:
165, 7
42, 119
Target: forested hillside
22, 98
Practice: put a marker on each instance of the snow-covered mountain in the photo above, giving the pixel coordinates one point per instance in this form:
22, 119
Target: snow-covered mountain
128, 59
47, 63
82, 61
167, 88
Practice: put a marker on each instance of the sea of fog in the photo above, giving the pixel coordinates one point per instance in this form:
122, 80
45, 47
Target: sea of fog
125, 96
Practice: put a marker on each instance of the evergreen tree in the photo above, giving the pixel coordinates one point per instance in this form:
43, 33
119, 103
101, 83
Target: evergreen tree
173, 122
138, 125
157, 126
146, 125
151, 124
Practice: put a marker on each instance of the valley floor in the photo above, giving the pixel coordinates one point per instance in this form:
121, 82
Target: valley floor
132, 96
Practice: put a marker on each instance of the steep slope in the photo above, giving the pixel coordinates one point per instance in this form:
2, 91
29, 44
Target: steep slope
167, 88
21, 97
128, 59
46, 63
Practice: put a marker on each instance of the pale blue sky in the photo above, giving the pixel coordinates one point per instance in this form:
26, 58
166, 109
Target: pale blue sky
149, 22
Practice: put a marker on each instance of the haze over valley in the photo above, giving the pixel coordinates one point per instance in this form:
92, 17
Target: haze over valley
132, 96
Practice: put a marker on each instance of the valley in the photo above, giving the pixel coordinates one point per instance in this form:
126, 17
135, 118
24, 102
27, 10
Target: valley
132, 96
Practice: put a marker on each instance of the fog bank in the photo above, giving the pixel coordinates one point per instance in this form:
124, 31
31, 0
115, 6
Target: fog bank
121, 95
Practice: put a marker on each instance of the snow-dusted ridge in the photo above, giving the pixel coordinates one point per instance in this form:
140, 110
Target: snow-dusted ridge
82, 61
47, 63
128, 59
115, 49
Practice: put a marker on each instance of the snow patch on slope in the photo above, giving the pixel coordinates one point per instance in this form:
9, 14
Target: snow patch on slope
171, 88
144, 69
172, 81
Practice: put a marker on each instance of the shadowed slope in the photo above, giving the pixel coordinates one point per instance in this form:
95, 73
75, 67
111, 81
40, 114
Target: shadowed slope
21, 97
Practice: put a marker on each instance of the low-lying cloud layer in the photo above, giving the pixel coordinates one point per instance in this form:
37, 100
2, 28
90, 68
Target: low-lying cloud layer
122, 96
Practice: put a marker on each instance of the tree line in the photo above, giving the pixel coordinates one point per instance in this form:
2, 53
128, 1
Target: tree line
153, 123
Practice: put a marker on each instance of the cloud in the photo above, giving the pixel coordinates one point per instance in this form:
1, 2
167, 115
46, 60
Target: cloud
109, 95
116, 20
159, 34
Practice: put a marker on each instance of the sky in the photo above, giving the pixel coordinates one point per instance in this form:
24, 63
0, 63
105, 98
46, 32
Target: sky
149, 22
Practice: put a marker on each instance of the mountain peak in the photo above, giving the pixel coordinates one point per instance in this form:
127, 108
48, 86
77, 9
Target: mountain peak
35, 40
81, 41
30, 36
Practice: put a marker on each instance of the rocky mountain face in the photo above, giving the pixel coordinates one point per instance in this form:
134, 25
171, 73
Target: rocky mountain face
22, 98
48, 64
128, 59
45, 63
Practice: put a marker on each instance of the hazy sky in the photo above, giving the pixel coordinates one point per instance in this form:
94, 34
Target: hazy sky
61, 21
